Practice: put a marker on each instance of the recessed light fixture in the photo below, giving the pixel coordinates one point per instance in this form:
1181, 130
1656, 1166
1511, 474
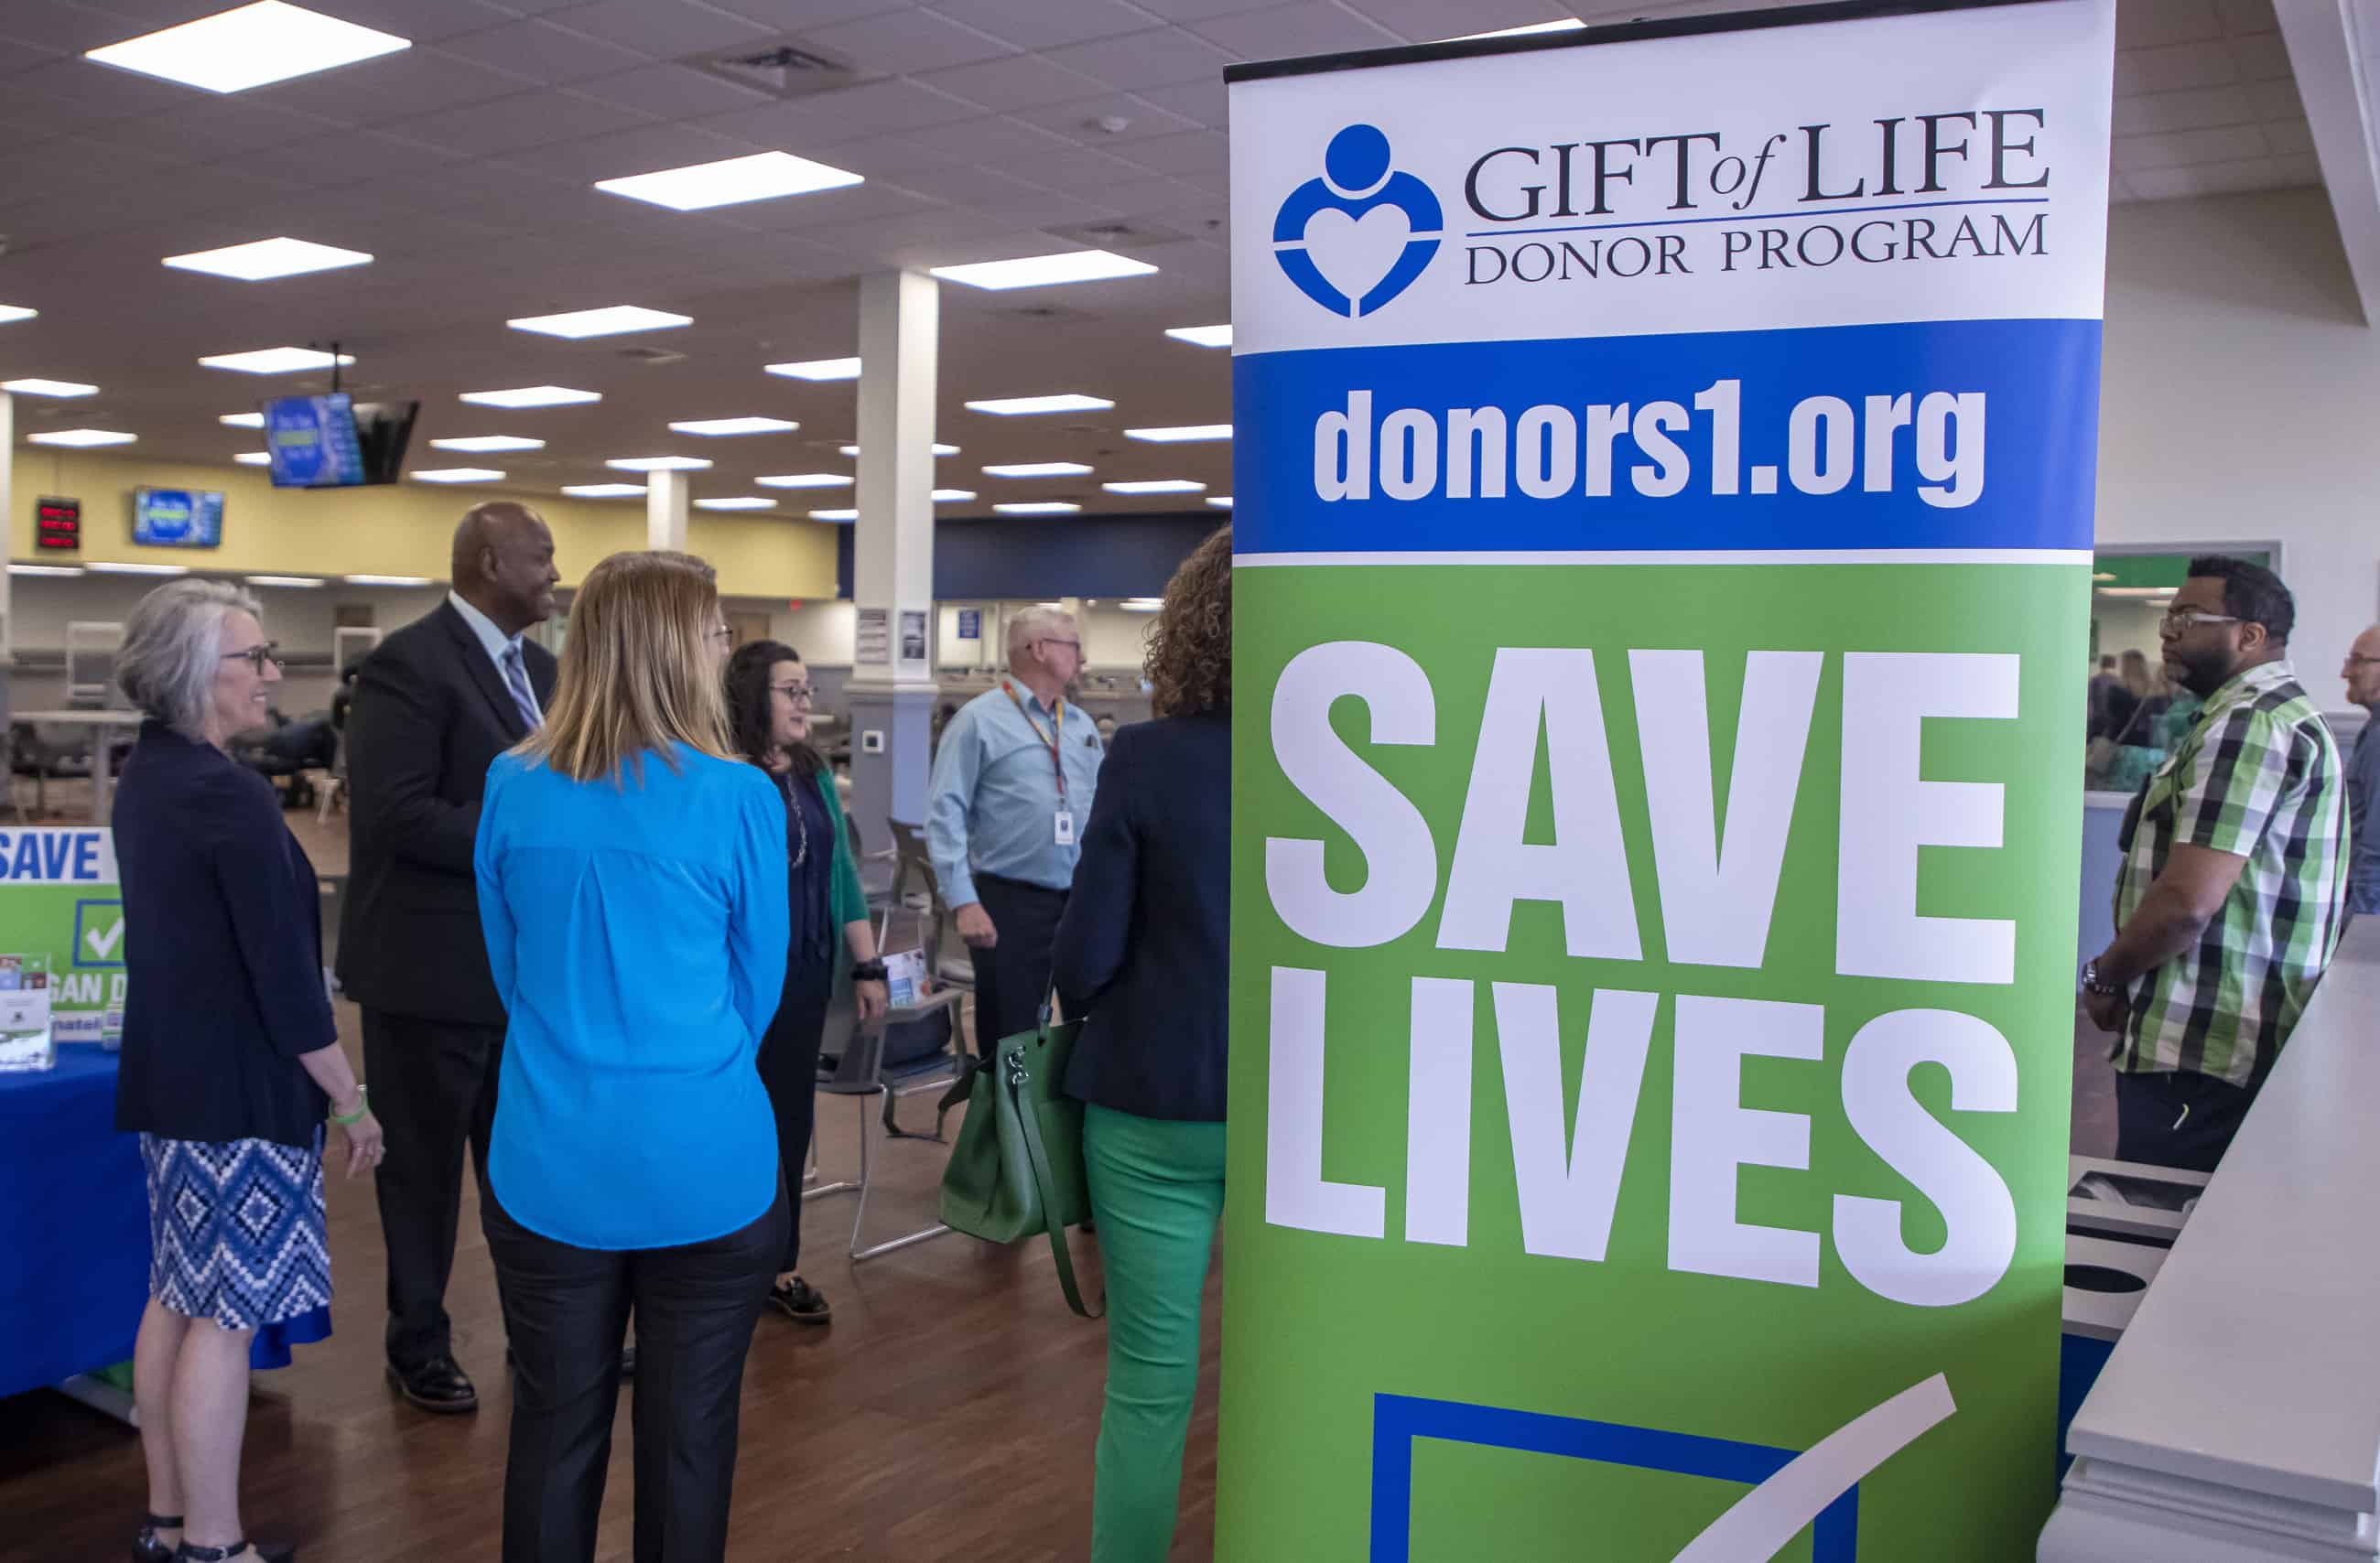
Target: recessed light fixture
1037, 469
1202, 336
805, 480
32, 387
12, 312
81, 437
242, 421
1044, 271
1567, 24
602, 490
115, 569
1015, 407
457, 475
248, 46
738, 501
953, 496
487, 444
613, 320
1155, 486
1039, 507
761, 176
1182, 433
939, 450
254, 458
657, 464
717, 427
1142, 604
301, 582
386, 580
1220, 501
834, 515
45, 569
275, 360
267, 259
531, 397
818, 369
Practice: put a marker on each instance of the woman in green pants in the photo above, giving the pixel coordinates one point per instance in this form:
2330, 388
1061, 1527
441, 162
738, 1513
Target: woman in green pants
1143, 955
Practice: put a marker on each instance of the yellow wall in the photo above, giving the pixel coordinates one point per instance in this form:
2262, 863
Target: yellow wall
404, 530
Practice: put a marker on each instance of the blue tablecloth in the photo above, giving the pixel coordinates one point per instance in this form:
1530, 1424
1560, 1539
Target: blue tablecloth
74, 1230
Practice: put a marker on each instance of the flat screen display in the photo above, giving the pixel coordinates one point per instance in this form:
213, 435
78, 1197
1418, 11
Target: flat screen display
311, 442
177, 518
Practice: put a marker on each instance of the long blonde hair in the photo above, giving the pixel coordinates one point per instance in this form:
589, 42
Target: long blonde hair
633, 676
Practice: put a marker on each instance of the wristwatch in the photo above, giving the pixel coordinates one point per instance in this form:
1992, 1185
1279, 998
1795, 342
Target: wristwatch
2091, 983
868, 971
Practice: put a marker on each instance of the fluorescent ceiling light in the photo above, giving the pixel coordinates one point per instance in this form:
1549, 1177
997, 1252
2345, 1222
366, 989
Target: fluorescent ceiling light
11, 312
254, 458
1014, 406
1180, 433
761, 176
657, 464
1037, 469
939, 450
242, 421
1043, 271
300, 581
1566, 24
1202, 336
602, 490
35, 387
715, 427
610, 321
386, 580
485, 444
81, 437
531, 397
267, 259
456, 475
235, 50
45, 569
1155, 486
1039, 507
818, 369
953, 496
805, 480
111, 569
834, 515
1221, 502
275, 360
740, 502
2104, 591
1141, 604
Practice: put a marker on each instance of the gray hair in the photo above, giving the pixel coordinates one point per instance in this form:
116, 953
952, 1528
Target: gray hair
172, 644
1029, 624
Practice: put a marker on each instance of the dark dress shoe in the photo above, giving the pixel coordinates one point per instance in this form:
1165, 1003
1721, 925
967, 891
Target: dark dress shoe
270, 1552
437, 1385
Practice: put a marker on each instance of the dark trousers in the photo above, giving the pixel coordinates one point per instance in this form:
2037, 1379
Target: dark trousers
433, 1088
2177, 1118
788, 1062
1012, 978
568, 1308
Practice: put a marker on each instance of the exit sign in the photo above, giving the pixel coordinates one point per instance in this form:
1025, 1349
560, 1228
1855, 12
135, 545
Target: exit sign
57, 524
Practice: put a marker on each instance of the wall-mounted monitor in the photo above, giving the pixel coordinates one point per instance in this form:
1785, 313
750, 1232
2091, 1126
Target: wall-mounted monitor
177, 518
333, 441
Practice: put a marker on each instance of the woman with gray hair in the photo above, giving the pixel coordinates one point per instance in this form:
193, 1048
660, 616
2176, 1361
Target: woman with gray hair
231, 1058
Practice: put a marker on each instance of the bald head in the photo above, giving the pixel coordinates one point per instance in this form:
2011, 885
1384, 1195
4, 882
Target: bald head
2362, 670
503, 563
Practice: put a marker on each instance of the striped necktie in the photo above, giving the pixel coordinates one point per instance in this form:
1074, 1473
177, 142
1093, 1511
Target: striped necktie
517, 679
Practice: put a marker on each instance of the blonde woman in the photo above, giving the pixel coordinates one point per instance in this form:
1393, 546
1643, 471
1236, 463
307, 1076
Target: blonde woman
632, 891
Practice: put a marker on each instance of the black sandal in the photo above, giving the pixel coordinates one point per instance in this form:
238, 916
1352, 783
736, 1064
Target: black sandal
267, 1552
146, 1547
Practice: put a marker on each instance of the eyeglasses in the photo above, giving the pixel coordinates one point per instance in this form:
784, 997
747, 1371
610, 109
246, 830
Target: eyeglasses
799, 693
257, 656
2180, 621
726, 633
1070, 644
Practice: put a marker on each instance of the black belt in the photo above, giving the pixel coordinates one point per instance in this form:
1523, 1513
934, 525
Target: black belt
1020, 886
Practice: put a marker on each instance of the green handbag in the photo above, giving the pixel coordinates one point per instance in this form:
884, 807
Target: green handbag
1017, 1168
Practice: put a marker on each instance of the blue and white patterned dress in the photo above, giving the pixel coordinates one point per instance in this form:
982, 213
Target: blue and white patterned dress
238, 1230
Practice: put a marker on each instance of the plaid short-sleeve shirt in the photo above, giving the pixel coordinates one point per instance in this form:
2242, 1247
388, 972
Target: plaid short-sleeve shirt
2257, 775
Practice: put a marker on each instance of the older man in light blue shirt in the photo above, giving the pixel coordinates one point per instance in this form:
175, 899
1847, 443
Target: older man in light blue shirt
1012, 791
2361, 672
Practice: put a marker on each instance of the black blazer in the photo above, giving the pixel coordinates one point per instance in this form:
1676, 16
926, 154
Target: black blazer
430, 712
1144, 949
222, 952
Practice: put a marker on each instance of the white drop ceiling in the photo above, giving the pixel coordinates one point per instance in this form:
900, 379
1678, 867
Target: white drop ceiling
985, 128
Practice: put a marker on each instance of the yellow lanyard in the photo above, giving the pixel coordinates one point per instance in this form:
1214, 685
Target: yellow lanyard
1056, 763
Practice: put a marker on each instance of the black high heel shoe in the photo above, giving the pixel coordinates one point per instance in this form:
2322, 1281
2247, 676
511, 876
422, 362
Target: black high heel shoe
146, 1547
268, 1552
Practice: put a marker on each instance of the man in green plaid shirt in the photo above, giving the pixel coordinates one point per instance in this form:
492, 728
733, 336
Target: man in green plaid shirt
2233, 889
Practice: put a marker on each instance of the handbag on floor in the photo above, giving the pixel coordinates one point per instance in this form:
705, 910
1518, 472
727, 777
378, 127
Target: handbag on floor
1017, 1168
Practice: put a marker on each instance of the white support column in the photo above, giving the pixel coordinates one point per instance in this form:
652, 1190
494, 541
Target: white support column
892, 689
8, 547
665, 508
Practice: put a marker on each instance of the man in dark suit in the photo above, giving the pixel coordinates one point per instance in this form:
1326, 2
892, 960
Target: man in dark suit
434, 703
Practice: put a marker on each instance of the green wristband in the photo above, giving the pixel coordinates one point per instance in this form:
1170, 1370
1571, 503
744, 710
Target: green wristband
363, 1107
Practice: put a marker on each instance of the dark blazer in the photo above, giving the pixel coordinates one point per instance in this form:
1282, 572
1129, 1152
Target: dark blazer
1144, 949
222, 952
430, 712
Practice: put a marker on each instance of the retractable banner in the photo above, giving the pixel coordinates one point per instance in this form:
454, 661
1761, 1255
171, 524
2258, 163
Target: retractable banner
1665, 466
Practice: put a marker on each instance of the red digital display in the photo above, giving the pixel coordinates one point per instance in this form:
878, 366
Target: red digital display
57, 524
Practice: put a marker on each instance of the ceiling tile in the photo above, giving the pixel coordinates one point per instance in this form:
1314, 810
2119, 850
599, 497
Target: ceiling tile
525, 119
1206, 102
640, 150
797, 14
373, 154
393, 87
540, 52
2168, 21
2205, 178
1199, 10
423, 22
1162, 57
1035, 24
1313, 27
666, 29
2264, 57
1015, 82
15, 57
1145, 196
1080, 168
2247, 15
1191, 151
54, 26
82, 93
2276, 100
2194, 108
1427, 21
823, 208
901, 42
2290, 137
869, 109
2179, 64
2229, 143
1081, 121
222, 127
672, 91
1005, 143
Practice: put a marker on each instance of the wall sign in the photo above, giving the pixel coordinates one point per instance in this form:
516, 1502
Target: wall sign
57, 524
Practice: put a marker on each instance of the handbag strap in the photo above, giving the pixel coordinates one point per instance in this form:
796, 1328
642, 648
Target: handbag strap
1015, 1077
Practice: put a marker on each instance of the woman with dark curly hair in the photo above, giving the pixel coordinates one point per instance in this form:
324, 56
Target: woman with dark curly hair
1143, 955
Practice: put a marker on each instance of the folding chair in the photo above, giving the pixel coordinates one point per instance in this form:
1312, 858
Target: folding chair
856, 1069
915, 889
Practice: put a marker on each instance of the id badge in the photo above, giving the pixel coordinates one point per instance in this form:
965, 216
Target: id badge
1065, 827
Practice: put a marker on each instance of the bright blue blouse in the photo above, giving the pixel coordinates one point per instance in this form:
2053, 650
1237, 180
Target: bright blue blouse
636, 931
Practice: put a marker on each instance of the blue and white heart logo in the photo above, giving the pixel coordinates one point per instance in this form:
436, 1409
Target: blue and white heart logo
1356, 237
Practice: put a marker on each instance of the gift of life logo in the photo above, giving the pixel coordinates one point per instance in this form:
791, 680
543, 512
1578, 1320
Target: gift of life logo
1360, 233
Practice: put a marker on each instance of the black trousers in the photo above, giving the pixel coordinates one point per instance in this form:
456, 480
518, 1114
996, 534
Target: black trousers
2177, 1118
568, 1308
788, 1063
1012, 979
433, 1089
